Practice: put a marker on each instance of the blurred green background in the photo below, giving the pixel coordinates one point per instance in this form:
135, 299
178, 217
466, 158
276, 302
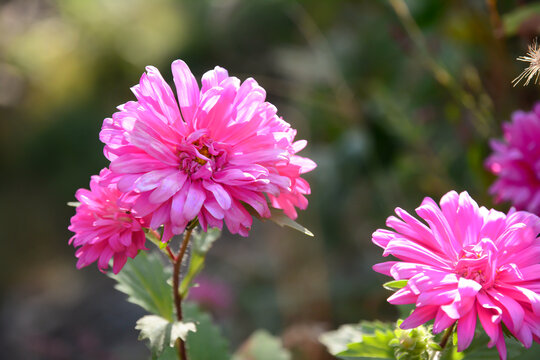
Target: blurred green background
395, 108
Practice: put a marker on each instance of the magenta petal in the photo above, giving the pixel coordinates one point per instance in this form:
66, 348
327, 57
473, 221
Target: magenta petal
512, 307
119, 262
419, 316
442, 322
152, 179
194, 200
186, 88
465, 330
221, 195
489, 316
384, 268
501, 347
177, 208
402, 296
168, 187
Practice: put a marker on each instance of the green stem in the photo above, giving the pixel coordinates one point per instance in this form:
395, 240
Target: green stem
154, 237
446, 336
177, 263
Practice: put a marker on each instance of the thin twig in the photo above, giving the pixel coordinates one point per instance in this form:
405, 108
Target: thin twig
441, 74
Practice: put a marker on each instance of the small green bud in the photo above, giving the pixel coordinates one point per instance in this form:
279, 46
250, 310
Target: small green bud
413, 344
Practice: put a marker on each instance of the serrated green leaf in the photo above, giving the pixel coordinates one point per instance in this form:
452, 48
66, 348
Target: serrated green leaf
144, 280
370, 340
202, 241
336, 341
372, 347
261, 345
513, 20
395, 285
161, 332
207, 343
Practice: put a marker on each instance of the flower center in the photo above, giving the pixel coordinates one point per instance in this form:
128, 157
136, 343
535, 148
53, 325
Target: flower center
204, 151
201, 157
478, 262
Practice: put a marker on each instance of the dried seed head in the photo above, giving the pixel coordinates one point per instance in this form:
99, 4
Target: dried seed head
532, 57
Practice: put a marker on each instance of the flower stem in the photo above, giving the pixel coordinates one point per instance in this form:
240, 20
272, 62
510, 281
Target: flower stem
446, 336
177, 263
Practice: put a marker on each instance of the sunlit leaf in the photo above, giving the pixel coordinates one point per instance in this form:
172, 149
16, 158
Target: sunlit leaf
395, 285
336, 341
261, 345
144, 280
369, 340
161, 332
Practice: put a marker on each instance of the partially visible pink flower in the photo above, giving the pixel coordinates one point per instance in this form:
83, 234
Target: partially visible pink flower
211, 294
516, 162
466, 263
207, 155
104, 225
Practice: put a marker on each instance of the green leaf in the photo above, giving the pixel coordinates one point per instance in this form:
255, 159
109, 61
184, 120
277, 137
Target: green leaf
373, 343
513, 20
169, 353
207, 343
395, 285
261, 345
145, 280
201, 244
161, 332
279, 217
336, 341
155, 238
202, 241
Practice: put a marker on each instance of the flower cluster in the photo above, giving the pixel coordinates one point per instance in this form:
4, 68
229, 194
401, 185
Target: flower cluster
466, 262
215, 153
105, 226
516, 162
413, 344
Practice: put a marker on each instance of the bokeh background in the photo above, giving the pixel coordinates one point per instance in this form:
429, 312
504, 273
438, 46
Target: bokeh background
395, 108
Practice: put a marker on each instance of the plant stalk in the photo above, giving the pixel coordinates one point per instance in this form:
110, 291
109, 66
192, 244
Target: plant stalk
446, 336
177, 263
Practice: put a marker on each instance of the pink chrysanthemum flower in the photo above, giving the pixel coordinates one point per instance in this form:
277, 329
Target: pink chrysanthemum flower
467, 262
516, 162
206, 155
104, 226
